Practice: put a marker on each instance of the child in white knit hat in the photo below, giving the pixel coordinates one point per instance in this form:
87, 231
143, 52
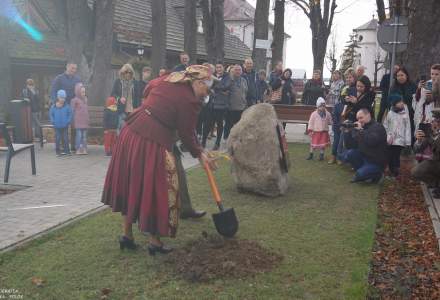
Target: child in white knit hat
318, 128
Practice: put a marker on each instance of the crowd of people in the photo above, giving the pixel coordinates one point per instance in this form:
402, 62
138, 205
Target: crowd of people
407, 119
146, 180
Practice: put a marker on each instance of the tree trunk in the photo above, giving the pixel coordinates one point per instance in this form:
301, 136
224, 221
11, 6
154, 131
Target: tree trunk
190, 29
100, 83
319, 46
261, 31
208, 28
5, 69
213, 29
424, 45
321, 22
381, 10
159, 31
78, 24
278, 32
219, 30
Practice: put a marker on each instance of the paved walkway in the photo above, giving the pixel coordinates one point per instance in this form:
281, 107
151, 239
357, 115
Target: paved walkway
64, 189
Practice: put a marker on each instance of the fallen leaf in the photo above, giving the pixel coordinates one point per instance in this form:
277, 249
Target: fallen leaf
37, 281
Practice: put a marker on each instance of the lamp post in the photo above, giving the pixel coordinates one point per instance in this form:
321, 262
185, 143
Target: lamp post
140, 51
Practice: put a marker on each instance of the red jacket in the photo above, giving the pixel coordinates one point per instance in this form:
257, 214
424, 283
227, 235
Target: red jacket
173, 107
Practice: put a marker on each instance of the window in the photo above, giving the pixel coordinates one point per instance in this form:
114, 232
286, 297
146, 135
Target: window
200, 26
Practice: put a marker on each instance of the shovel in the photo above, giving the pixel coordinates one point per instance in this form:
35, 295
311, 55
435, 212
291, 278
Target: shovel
225, 221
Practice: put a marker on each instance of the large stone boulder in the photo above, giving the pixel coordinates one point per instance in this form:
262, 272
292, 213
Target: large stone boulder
255, 151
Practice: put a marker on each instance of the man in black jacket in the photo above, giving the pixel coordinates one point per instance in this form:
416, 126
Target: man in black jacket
369, 159
251, 79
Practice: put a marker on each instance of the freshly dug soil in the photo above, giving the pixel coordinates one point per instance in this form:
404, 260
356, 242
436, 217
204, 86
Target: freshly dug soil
213, 257
406, 258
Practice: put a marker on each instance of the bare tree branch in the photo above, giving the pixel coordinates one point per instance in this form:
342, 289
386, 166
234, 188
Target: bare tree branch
303, 5
381, 10
332, 14
326, 11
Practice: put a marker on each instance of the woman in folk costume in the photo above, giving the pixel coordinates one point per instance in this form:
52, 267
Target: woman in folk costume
141, 180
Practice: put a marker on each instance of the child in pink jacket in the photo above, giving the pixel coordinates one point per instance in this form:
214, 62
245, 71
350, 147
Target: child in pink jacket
319, 124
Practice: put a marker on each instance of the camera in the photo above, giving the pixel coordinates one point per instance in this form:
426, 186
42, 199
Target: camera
426, 128
348, 125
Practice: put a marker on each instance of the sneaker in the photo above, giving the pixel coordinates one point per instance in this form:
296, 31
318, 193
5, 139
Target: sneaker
78, 152
63, 153
216, 147
84, 152
58, 154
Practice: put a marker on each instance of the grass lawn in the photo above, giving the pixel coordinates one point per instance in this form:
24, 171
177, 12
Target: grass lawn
324, 228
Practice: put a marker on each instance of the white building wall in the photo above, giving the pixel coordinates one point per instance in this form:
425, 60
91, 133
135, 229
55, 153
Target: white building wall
244, 30
368, 52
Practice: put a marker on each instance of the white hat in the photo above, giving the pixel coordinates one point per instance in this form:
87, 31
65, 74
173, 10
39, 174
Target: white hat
320, 102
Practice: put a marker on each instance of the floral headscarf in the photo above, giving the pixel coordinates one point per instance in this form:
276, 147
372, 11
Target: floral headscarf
195, 72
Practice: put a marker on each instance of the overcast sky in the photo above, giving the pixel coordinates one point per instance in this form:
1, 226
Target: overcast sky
352, 14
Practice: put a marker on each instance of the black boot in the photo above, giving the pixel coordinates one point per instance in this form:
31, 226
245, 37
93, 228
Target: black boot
310, 156
125, 242
321, 156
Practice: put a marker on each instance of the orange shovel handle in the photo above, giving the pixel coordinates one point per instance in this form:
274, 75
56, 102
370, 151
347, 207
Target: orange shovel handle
212, 183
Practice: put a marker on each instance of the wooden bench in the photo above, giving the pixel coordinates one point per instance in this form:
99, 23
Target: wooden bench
297, 114
96, 115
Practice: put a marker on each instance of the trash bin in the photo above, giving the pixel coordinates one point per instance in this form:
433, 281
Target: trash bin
21, 119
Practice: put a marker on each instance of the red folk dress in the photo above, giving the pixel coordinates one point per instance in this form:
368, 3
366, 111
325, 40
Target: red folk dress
141, 180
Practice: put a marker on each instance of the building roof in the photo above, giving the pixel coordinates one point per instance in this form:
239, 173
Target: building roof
132, 25
238, 10
21, 46
241, 10
370, 25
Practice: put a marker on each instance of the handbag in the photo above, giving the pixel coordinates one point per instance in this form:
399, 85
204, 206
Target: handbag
275, 96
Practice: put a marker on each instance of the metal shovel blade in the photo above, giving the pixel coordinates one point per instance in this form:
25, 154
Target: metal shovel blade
226, 222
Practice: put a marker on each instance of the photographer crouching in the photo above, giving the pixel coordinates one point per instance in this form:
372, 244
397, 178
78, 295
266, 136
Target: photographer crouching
369, 158
428, 169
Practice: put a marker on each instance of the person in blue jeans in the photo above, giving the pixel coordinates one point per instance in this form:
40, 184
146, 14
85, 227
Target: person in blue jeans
369, 159
61, 116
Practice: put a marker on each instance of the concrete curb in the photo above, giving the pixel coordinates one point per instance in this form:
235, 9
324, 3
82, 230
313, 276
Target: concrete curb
434, 210
54, 228
65, 223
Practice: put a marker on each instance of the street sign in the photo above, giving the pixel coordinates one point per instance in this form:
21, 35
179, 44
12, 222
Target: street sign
393, 32
262, 44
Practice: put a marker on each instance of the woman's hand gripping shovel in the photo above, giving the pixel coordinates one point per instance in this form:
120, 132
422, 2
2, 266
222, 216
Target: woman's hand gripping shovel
225, 221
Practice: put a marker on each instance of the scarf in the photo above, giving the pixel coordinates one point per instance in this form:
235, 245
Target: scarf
322, 114
398, 110
127, 93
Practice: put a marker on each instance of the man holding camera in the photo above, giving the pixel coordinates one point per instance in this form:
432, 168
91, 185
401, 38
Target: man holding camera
369, 159
428, 170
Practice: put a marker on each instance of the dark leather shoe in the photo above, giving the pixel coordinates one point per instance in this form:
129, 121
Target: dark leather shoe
195, 214
152, 249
